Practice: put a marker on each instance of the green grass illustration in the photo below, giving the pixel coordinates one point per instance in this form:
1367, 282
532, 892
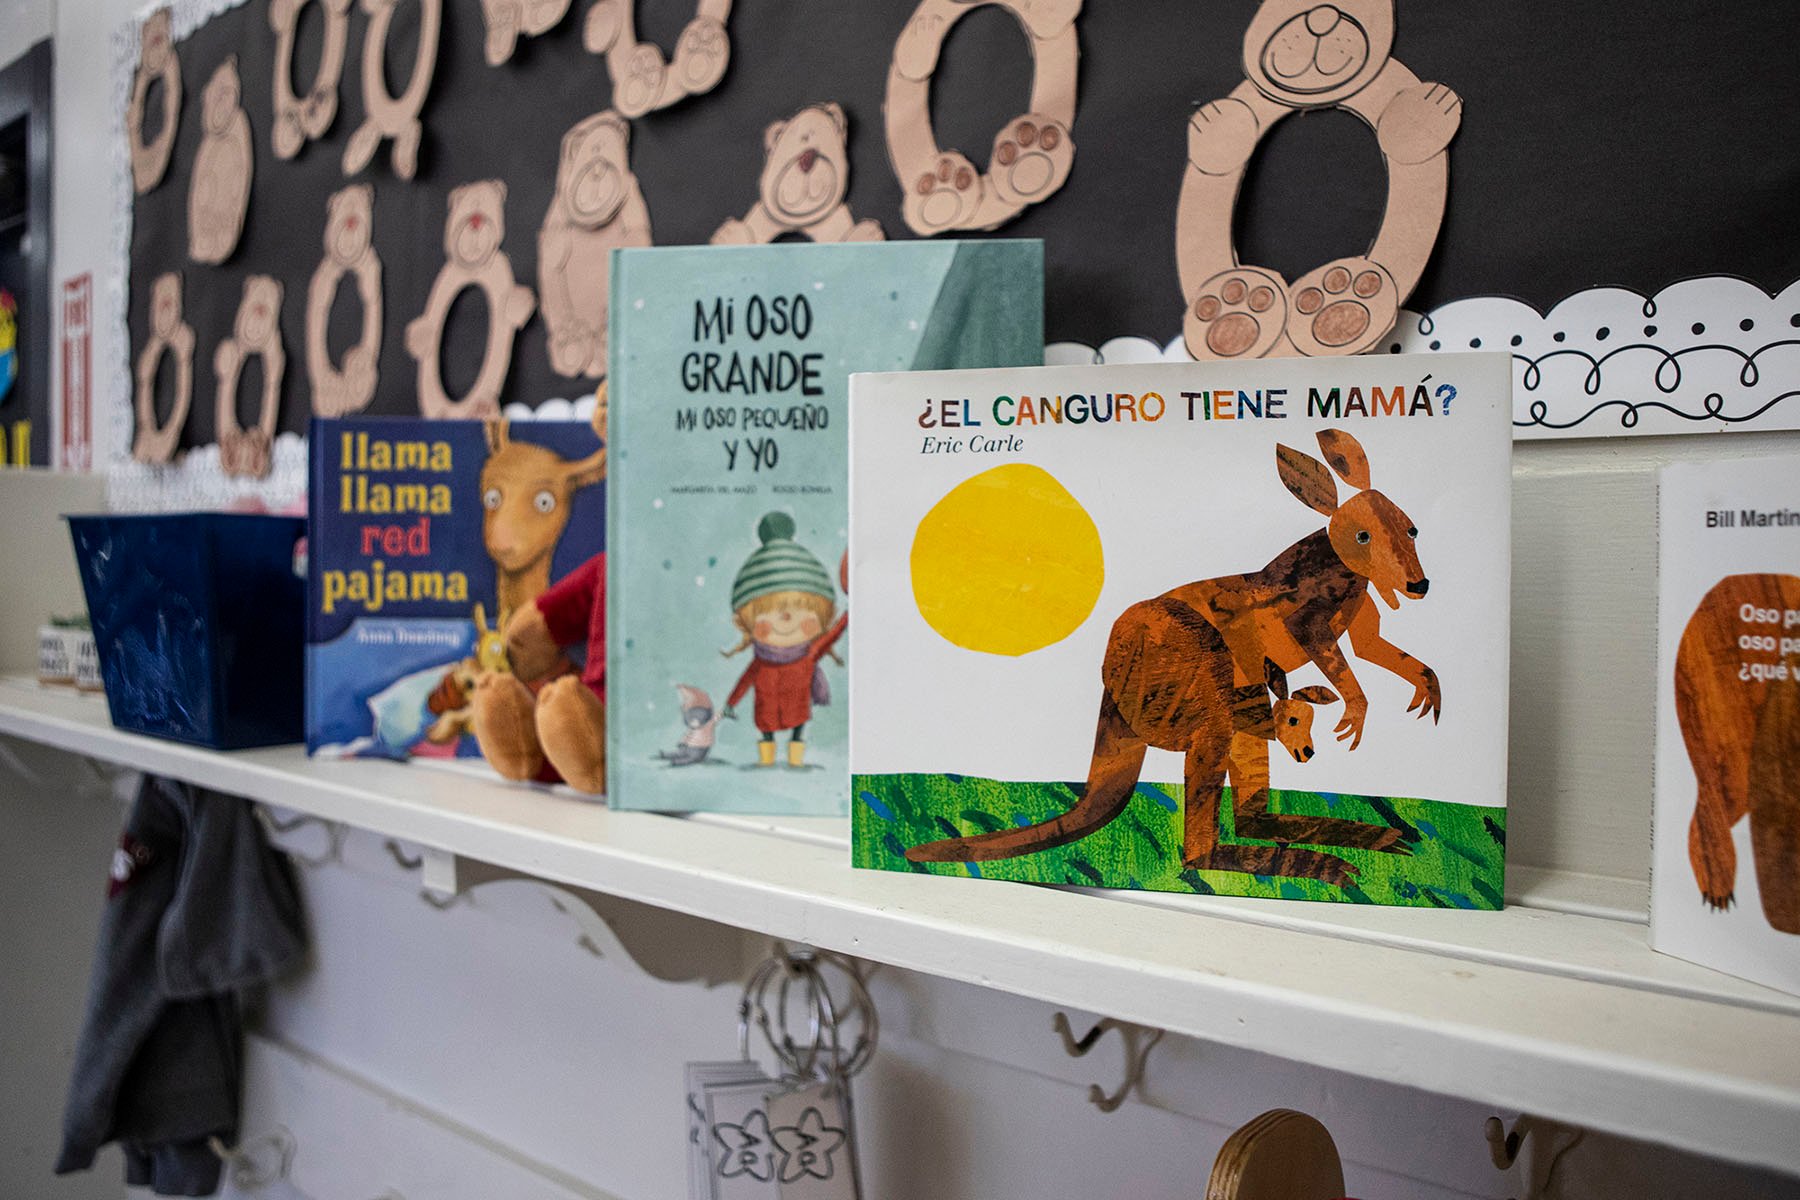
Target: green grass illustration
1458, 855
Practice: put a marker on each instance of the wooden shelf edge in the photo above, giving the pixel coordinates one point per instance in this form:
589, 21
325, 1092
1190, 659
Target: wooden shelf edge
1715, 1078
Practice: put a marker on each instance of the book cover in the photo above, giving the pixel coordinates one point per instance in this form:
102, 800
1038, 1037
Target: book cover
1725, 870
423, 537
728, 624
1234, 628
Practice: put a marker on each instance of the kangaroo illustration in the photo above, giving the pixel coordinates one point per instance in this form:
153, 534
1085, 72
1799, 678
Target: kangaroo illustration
1173, 678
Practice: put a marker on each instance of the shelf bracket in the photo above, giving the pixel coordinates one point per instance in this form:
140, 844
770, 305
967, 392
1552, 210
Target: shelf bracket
1138, 1039
1506, 1147
665, 945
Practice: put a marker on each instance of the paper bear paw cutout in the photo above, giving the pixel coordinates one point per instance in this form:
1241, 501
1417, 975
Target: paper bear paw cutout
605, 21
701, 55
406, 150
1419, 122
945, 196
916, 53
866, 230
642, 86
502, 32
1032, 157
1221, 136
1343, 307
1239, 313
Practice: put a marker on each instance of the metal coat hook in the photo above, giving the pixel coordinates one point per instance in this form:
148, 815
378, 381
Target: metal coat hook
258, 1162
1139, 1040
334, 834
405, 861
1504, 1146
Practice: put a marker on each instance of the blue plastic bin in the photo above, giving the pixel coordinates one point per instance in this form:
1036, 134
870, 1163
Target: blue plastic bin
200, 623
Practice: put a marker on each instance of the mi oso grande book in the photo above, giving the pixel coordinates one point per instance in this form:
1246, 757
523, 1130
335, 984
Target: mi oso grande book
1234, 628
423, 538
729, 630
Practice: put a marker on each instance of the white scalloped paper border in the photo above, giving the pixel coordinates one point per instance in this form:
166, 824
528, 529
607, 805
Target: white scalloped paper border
1703, 355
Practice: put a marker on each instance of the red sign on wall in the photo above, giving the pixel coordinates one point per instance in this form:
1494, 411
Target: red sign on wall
75, 449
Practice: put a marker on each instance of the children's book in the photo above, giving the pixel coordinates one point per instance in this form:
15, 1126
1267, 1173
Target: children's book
1725, 875
423, 538
728, 621
1234, 628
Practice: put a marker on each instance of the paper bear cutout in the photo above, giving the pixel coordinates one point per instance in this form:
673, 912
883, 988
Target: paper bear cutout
169, 333
473, 258
156, 60
642, 81
1299, 56
257, 331
804, 180
349, 228
509, 20
388, 116
300, 119
597, 207
219, 193
1032, 156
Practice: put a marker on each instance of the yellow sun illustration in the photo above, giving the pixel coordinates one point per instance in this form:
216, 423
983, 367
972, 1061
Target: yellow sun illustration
1008, 562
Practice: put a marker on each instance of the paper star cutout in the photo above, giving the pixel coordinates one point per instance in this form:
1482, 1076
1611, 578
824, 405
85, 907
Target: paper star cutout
746, 1148
806, 1148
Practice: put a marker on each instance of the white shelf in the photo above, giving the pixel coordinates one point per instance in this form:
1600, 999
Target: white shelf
1556, 1006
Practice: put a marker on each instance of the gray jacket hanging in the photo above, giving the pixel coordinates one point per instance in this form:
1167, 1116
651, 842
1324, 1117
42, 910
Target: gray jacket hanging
199, 907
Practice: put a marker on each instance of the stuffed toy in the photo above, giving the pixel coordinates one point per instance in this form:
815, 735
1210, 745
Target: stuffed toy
544, 720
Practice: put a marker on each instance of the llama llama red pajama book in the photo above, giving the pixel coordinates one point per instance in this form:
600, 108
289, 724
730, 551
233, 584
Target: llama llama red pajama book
1233, 628
423, 538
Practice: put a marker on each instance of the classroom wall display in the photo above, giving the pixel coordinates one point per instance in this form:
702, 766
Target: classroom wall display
219, 193
1561, 183
1300, 694
154, 440
472, 259
1725, 877
299, 119
731, 631
347, 385
1032, 154
642, 79
803, 184
388, 115
257, 335
597, 208
157, 64
1299, 57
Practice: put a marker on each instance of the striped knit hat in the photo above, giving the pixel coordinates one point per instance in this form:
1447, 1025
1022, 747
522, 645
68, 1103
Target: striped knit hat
779, 565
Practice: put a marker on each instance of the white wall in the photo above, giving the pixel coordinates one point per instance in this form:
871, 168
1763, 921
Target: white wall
24, 23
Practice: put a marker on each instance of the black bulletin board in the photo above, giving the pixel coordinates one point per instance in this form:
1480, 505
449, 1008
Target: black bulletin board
1600, 145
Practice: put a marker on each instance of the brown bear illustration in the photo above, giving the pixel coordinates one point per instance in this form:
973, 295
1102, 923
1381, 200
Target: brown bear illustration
257, 330
157, 61
220, 192
168, 332
804, 180
597, 206
509, 20
1743, 739
349, 226
473, 258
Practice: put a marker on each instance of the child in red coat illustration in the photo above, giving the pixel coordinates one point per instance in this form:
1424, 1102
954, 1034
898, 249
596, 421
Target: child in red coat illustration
783, 601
